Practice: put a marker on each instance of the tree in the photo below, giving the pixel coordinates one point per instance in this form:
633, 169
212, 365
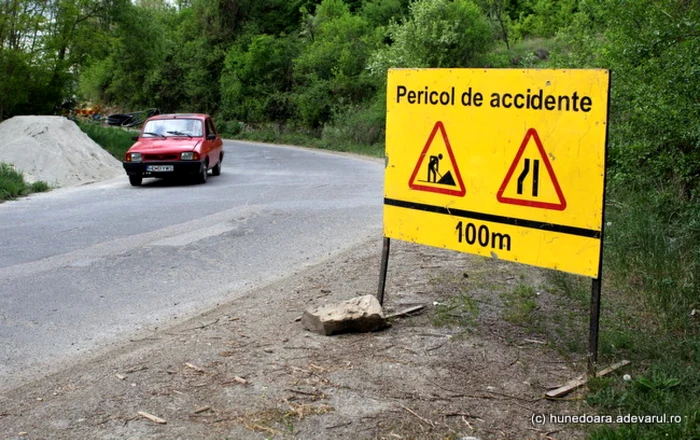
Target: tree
652, 48
543, 18
14, 71
257, 80
497, 11
438, 33
382, 12
330, 70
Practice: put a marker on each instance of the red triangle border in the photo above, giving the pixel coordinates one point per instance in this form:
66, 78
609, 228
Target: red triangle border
532, 133
452, 192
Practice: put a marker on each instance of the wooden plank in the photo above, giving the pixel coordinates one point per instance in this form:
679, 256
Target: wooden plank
406, 312
612, 368
581, 380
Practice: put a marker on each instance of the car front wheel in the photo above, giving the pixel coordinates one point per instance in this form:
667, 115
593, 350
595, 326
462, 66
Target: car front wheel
203, 173
135, 180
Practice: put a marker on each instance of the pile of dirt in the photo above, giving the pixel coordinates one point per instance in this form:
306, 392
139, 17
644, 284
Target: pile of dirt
55, 150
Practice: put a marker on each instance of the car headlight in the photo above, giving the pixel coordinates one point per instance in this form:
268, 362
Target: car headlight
189, 155
134, 157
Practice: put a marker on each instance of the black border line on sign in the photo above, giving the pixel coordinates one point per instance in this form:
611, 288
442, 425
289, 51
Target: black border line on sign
541, 226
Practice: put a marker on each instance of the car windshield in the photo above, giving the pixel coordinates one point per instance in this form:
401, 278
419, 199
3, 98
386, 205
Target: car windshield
173, 127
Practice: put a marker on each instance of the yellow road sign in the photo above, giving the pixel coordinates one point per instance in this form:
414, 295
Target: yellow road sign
499, 162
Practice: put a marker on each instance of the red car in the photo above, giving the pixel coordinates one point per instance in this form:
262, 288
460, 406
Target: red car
175, 145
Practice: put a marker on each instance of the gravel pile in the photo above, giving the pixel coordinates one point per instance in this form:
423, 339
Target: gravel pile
55, 150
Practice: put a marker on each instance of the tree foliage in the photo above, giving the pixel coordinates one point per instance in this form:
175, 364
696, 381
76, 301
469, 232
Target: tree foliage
652, 48
257, 80
42, 46
437, 33
330, 70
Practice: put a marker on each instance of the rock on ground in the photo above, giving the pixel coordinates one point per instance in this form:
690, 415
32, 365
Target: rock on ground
360, 314
55, 150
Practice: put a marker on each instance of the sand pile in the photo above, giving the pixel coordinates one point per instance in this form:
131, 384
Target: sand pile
55, 150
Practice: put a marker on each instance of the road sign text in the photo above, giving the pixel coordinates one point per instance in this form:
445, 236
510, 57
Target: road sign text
470, 234
528, 100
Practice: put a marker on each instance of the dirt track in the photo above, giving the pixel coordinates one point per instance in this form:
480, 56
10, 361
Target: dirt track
248, 370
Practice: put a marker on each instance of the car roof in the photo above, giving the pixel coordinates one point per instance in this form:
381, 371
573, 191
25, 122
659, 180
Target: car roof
180, 116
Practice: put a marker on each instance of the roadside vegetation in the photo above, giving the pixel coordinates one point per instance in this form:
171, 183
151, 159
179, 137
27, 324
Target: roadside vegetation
313, 72
13, 185
115, 140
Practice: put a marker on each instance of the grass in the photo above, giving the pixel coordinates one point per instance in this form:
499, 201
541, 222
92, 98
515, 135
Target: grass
650, 289
280, 135
276, 421
459, 310
666, 388
113, 139
13, 185
665, 378
519, 305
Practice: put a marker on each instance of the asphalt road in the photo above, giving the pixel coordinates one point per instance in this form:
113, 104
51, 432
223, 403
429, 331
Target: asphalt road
84, 268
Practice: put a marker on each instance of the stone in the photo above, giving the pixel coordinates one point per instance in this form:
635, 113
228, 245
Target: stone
360, 314
542, 54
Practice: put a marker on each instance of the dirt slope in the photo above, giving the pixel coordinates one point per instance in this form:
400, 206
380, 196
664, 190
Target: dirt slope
248, 370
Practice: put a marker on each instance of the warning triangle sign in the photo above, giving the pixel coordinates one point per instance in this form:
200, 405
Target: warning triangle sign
532, 187
436, 170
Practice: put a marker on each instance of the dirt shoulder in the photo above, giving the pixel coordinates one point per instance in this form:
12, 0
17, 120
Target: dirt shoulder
248, 370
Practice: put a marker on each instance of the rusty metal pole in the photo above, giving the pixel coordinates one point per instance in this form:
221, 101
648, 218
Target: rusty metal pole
383, 270
593, 326
596, 286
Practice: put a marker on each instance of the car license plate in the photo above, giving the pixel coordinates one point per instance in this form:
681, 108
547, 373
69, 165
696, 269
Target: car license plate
159, 168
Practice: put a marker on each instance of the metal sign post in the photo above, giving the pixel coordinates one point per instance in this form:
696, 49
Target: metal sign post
383, 270
593, 327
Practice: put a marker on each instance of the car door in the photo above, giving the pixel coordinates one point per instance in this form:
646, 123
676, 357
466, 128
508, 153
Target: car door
215, 145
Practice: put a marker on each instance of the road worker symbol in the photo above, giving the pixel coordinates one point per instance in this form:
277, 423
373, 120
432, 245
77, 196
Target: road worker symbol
437, 163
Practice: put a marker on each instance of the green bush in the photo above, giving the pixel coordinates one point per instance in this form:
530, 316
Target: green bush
652, 235
115, 140
654, 143
257, 78
360, 124
39, 186
229, 129
438, 33
12, 184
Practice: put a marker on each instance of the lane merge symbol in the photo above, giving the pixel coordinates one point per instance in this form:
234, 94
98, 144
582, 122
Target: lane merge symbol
523, 194
440, 177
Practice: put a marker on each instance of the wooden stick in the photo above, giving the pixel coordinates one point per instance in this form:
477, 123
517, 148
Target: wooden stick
423, 419
406, 312
152, 418
581, 380
194, 367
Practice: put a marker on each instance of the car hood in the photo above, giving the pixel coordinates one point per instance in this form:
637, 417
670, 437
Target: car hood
165, 145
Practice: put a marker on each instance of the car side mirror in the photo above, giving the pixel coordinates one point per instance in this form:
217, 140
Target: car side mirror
134, 138
211, 137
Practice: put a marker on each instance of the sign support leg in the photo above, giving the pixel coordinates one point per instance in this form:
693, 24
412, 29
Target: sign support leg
383, 270
593, 326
